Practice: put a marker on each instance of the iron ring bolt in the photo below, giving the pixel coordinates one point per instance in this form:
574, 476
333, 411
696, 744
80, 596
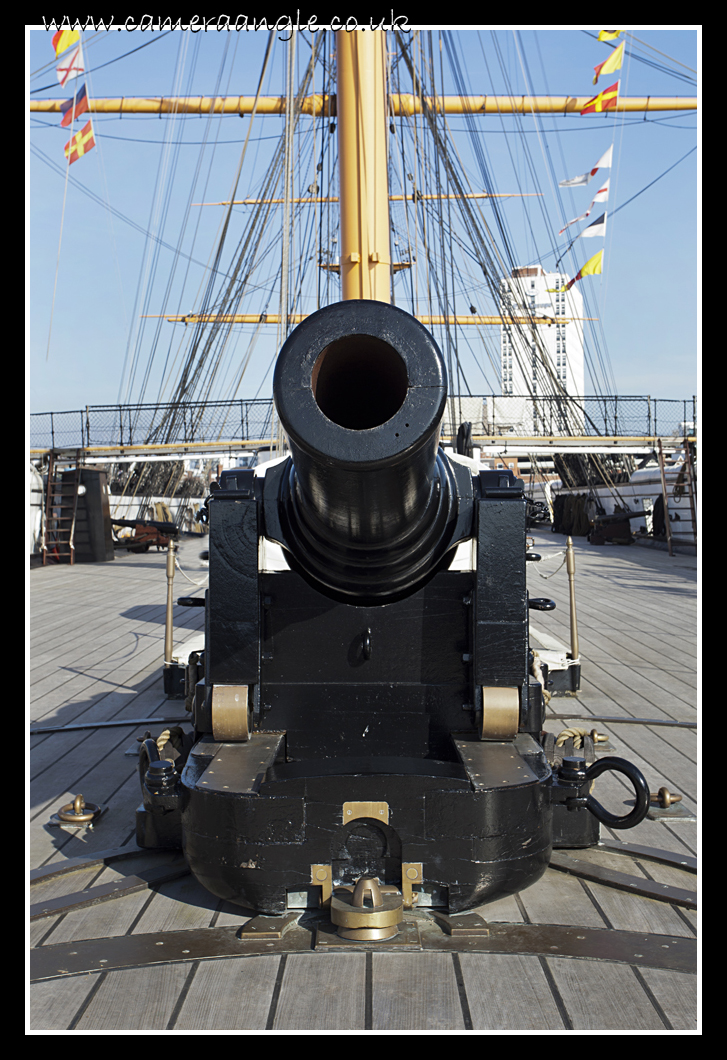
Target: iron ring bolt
574, 774
641, 791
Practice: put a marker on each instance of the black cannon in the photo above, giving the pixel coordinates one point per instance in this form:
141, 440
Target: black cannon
147, 532
367, 708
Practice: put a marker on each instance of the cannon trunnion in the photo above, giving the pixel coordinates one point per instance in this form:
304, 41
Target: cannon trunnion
367, 708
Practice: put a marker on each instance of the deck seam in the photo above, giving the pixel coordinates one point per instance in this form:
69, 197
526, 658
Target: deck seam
179, 1003
556, 994
652, 998
85, 1004
269, 1024
369, 992
462, 992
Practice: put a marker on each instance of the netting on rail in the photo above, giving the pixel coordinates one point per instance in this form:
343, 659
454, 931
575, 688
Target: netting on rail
240, 420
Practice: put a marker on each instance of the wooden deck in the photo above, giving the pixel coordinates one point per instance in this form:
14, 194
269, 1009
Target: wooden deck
97, 634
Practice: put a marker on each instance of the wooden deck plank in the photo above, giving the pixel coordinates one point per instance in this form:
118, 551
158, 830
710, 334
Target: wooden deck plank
509, 992
106, 630
178, 906
604, 581
415, 992
559, 899
503, 911
106, 920
322, 991
676, 994
54, 1003
667, 680
652, 702
134, 998
232, 994
602, 996
58, 747
630, 912
613, 582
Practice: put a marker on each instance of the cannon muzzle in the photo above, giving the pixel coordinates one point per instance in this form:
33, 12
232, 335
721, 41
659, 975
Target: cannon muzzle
368, 502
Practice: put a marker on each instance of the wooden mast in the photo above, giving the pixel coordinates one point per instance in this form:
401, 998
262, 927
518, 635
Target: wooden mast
362, 147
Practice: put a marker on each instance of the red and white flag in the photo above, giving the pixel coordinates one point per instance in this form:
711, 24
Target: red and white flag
601, 196
70, 66
604, 162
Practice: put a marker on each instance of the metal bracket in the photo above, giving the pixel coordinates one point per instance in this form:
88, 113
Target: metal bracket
377, 811
412, 872
322, 876
461, 925
268, 927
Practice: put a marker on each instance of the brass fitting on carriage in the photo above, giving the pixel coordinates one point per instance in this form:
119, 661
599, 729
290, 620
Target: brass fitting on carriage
367, 912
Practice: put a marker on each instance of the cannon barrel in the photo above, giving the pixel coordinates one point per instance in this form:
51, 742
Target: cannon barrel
170, 529
369, 502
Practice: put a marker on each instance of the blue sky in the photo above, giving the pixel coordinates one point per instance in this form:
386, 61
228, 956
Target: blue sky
108, 272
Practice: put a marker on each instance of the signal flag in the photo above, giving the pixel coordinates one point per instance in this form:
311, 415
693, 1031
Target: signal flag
80, 144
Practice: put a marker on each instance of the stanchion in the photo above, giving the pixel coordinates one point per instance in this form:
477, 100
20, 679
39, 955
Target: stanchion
570, 566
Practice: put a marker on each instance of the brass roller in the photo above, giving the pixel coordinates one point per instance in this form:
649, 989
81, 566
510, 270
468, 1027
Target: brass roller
231, 721
500, 713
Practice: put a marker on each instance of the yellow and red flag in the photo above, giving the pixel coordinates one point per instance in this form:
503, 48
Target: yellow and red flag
605, 100
63, 39
80, 144
613, 62
593, 267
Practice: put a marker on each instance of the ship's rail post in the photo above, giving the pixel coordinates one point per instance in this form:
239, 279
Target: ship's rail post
169, 621
570, 563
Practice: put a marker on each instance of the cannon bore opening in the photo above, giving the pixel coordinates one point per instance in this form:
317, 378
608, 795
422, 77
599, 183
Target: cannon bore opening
359, 382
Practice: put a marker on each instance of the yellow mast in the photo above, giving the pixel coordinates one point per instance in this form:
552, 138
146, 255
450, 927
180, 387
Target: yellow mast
400, 104
363, 178
295, 318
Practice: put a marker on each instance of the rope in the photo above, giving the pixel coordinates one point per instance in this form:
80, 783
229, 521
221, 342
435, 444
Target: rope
198, 584
576, 734
537, 672
545, 577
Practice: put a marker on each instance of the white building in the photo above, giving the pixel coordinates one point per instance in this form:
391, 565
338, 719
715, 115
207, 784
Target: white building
539, 361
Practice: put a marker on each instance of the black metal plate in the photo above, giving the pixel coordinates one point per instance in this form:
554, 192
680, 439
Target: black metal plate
129, 951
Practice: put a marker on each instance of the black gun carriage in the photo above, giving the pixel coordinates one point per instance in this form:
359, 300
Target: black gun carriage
367, 707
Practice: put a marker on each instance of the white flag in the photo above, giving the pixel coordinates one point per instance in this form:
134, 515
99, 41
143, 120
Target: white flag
596, 228
601, 196
604, 162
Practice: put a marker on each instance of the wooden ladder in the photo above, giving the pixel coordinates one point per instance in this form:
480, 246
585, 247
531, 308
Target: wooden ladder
61, 504
687, 484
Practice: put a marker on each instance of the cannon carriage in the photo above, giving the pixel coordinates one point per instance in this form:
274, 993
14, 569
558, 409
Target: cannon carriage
367, 708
